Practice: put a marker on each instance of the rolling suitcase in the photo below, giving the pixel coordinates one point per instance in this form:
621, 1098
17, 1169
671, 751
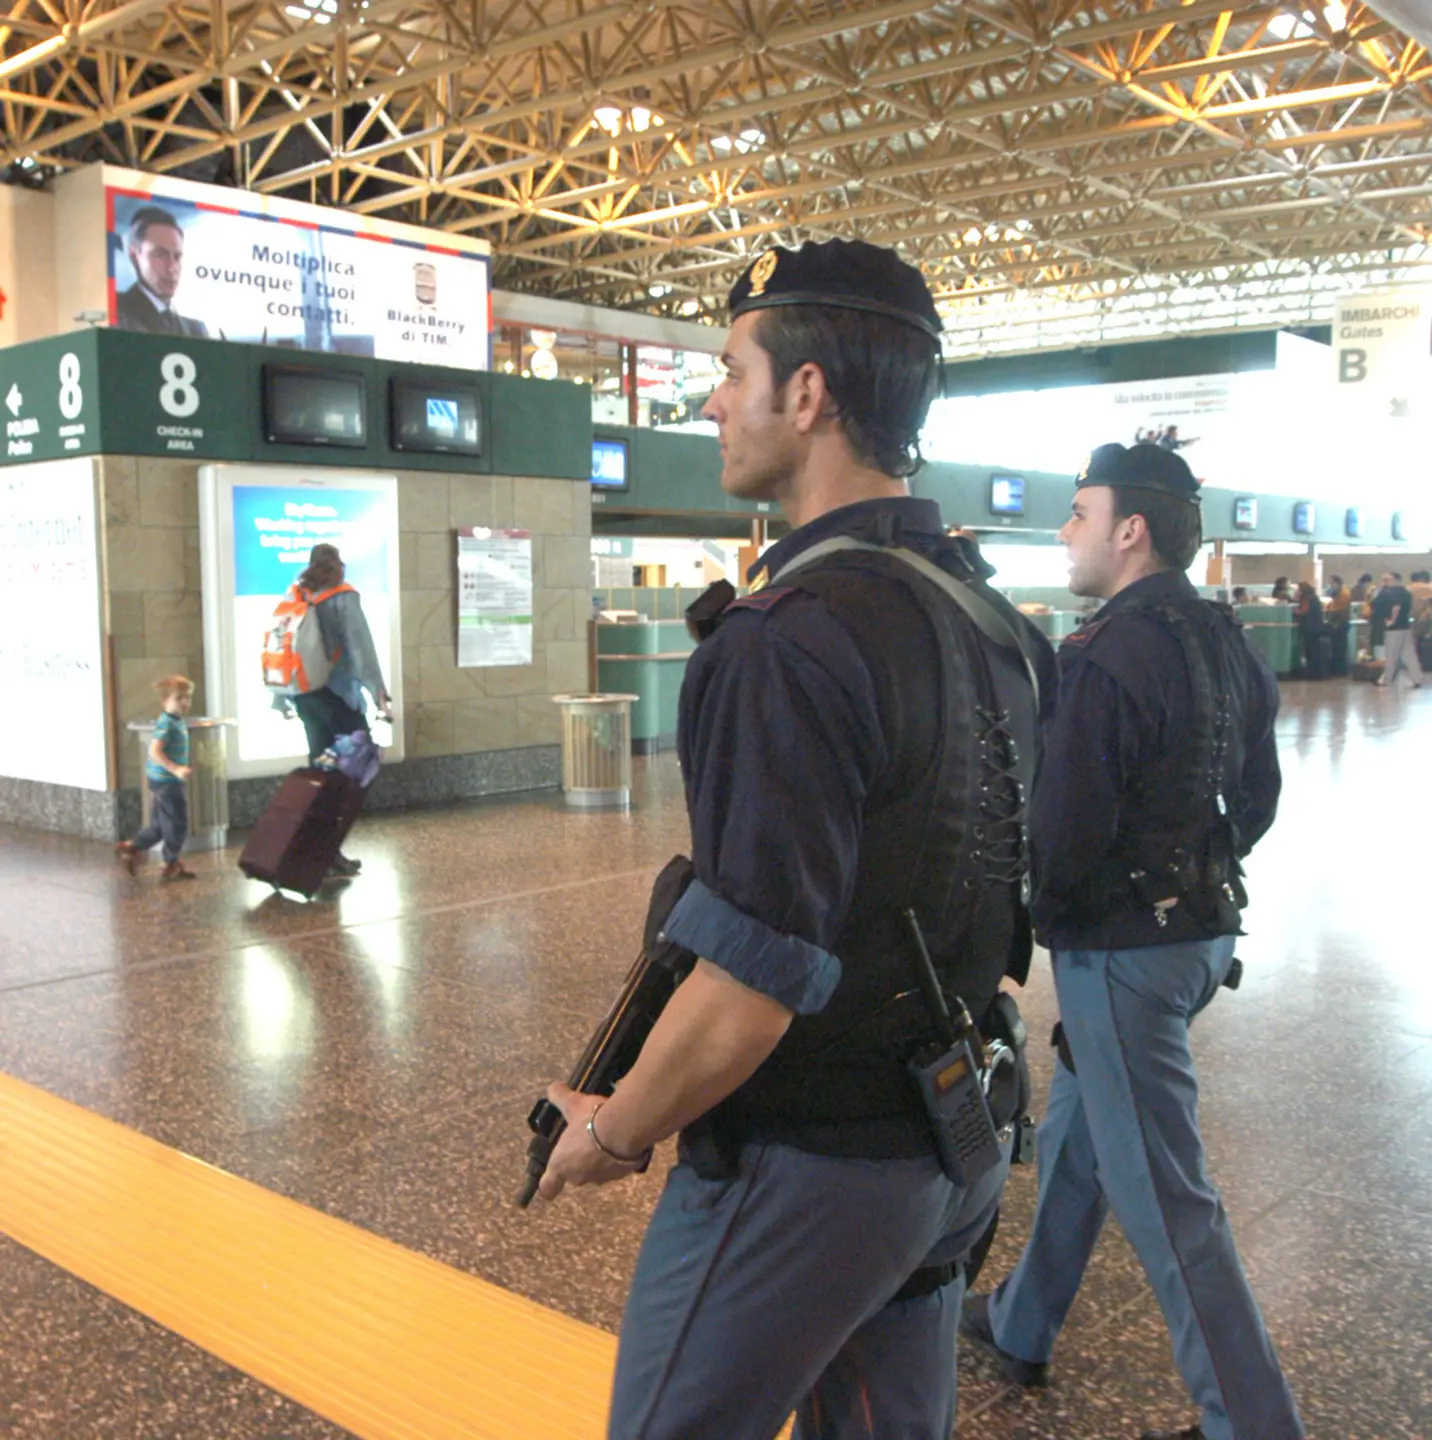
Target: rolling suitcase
298, 837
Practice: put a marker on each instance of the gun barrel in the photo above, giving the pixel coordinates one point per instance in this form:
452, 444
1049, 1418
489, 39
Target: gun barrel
539, 1152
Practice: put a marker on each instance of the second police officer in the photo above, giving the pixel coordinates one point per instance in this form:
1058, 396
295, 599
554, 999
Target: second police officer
854, 739
1160, 773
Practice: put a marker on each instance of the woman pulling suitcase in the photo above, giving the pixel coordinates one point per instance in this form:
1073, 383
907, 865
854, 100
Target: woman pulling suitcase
337, 707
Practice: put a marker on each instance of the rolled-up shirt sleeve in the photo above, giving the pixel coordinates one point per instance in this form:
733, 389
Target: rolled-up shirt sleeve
780, 744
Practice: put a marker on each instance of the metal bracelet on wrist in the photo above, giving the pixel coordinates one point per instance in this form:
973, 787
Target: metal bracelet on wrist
612, 1154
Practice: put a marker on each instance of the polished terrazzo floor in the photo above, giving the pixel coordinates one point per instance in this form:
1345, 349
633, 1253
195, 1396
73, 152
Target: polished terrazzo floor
374, 1056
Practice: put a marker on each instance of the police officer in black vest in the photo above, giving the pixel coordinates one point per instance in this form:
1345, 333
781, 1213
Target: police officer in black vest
1160, 772
855, 739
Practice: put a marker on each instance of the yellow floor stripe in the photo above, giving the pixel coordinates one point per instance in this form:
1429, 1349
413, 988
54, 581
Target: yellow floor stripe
382, 1341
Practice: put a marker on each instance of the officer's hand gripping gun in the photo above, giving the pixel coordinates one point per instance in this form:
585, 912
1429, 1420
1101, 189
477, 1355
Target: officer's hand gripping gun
617, 1041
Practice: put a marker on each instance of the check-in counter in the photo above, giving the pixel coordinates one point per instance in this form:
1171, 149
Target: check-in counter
1272, 631
646, 658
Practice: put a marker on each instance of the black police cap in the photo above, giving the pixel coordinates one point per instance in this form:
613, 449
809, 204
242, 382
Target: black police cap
848, 274
1142, 467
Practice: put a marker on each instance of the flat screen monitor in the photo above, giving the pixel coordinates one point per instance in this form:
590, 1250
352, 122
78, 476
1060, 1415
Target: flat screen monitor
609, 464
1006, 494
1245, 513
305, 406
435, 417
1397, 526
1304, 518
1352, 523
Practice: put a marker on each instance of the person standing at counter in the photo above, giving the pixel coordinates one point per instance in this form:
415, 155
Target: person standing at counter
1309, 614
1337, 614
1282, 595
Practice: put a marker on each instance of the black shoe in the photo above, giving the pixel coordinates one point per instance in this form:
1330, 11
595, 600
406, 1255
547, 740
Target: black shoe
343, 867
1189, 1432
975, 1322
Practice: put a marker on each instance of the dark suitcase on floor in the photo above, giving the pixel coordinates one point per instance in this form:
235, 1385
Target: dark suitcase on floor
298, 837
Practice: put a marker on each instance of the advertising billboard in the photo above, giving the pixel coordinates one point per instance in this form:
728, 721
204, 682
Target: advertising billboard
257, 526
200, 261
52, 721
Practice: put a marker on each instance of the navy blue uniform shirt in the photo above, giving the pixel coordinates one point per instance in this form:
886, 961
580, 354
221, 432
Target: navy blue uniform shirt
1103, 729
780, 741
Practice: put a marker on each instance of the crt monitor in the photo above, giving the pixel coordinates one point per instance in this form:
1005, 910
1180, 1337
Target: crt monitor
304, 406
609, 464
437, 417
1006, 494
1245, 513
1304, 518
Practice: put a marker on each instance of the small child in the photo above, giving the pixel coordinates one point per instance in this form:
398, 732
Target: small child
166, 771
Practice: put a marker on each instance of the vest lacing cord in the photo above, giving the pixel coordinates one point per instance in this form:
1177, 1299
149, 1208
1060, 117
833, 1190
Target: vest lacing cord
1001, 841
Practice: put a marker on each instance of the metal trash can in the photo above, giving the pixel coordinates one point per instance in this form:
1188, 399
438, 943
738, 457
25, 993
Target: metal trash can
596, 750
207, 788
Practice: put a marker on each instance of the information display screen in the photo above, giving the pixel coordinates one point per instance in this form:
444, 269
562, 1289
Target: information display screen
1352, 524
1397, 526
609, 464
1304, 518
1245, 513
437, 418
314, 407
1006, 494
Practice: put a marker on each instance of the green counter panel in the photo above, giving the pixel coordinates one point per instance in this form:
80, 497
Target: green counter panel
647, 660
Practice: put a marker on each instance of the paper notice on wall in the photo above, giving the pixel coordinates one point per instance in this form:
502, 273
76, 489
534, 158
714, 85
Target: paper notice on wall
494, 597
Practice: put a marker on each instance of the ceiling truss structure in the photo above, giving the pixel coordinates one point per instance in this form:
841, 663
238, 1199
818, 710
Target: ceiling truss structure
1059, 168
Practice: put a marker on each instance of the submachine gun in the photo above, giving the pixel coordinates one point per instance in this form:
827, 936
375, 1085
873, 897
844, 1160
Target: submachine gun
617, 1041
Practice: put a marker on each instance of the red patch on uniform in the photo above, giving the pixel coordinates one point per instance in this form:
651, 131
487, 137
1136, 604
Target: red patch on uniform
1085, 633
762, 599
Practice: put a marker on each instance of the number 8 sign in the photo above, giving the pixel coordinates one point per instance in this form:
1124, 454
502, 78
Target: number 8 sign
178, 395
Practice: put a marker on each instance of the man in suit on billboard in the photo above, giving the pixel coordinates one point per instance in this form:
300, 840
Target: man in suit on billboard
156, 250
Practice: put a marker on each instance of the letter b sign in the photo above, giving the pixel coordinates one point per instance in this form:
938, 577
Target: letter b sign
177, 395
1352, 366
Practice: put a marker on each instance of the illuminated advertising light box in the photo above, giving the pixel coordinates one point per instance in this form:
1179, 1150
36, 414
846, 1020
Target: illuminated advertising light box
257, 527
194, 261
52, 717
1245, 513
1352, 523
1304, 518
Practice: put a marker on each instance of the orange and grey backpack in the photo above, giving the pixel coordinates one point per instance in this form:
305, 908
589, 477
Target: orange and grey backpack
295, 659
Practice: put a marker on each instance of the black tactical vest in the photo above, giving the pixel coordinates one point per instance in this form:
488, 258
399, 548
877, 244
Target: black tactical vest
943, 833
1177, 827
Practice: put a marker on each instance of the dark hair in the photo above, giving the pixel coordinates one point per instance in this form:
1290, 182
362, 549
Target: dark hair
1365, 578
1397, 575
1337, 579
325, 568
1175, 526
881, 373
146, 216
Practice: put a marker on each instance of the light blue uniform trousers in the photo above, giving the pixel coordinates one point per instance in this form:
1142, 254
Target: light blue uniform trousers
769, 1293
1123, 1135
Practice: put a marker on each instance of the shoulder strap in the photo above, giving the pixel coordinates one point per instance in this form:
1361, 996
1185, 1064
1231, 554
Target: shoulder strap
317, 597
985, 616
